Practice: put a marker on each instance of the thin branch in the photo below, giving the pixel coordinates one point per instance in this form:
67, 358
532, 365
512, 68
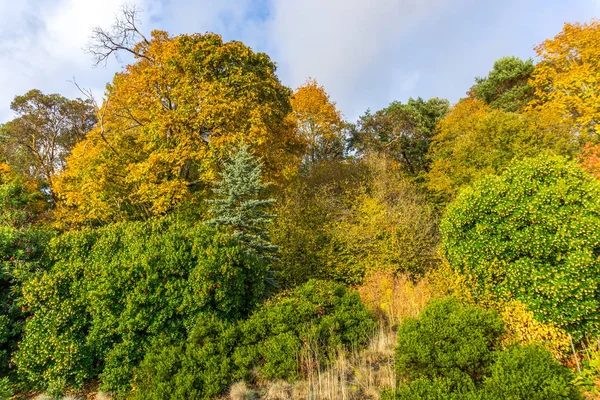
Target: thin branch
122, 36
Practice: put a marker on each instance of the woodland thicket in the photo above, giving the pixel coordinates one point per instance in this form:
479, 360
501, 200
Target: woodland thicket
204, 228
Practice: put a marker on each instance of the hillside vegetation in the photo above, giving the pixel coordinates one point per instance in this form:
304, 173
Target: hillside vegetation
205, 232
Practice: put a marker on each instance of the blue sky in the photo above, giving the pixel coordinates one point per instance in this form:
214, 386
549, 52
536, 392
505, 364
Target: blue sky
366, 53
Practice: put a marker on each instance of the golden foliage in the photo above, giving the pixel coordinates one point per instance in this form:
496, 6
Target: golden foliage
387, 227
567, 80
522, 328
167, 122
475, 140
395, 297
319, 122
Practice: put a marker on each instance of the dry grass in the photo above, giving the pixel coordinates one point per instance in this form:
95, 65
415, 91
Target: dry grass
358, 375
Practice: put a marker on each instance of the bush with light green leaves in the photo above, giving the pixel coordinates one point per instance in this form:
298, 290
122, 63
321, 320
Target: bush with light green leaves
532, 234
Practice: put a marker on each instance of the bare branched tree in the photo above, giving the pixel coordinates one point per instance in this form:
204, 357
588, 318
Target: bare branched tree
122, 36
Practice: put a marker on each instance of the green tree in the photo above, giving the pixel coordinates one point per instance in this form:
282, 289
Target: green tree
401, 131
506, 86
47, 127
532, 234
239, 208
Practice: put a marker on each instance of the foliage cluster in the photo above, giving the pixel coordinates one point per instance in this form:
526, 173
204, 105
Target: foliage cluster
453, 351
109, 292
532, 234
344, 220
319, 316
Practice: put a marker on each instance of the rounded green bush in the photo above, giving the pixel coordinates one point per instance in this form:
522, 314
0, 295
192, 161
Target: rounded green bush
529, 373
434, 389
448, 340
200, 368
318, 317
532, 234
451, 352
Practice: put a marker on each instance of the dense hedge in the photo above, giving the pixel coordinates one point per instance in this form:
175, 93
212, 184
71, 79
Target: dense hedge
111, 291
452, 352
318, 317
532, 234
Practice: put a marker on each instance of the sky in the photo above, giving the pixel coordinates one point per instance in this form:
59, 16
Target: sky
366, 53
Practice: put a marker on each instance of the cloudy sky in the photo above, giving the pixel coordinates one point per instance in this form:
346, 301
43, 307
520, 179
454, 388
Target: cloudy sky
366, 53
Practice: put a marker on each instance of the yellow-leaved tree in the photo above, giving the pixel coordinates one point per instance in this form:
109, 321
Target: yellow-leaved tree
475, 140
567, 78
319, 122
167, 122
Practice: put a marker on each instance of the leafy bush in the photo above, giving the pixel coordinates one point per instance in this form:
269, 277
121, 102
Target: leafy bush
200, 368
528, 372
450, 352
6, 391
111, 291
532, 234
436, 389
21, 248
318, 316
448, 340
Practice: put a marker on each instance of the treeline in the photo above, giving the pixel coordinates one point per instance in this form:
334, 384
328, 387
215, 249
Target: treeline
205, 225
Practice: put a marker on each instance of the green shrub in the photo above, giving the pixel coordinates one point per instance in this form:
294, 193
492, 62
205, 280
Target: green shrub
448, 340
529, 373
6, 391
532, 234
450, 352
21, 252
318, 316
111, 291
436, 389
200, 368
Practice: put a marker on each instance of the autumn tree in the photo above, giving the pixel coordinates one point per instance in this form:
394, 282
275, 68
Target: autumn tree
566, 78
319, 123
475, 140
167, 122
506, 87
37, 142
402, 132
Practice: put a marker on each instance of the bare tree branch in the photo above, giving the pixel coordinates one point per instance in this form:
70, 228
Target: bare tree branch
124, 35
100, 113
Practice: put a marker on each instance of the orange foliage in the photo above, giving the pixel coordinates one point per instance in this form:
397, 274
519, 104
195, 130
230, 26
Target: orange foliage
167, 122
590, 159
567, 80
319, 122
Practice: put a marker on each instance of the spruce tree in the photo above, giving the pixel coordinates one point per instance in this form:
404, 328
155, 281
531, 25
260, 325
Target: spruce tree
239, 208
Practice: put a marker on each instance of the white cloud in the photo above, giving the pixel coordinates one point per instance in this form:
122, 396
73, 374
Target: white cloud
350, 45
365, 53
42, 46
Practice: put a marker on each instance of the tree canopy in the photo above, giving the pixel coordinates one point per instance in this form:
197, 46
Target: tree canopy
167, 122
